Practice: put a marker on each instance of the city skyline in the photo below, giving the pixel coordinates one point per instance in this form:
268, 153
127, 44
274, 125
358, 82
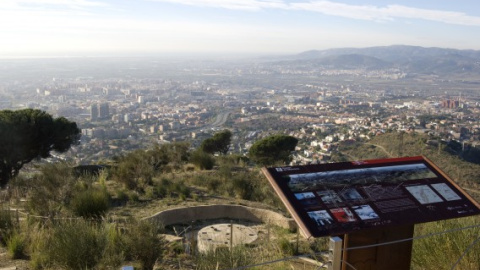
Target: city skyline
146, 27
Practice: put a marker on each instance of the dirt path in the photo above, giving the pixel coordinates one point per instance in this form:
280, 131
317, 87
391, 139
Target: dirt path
381, 147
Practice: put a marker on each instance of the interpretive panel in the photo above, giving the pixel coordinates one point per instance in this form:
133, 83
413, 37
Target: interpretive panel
338, 198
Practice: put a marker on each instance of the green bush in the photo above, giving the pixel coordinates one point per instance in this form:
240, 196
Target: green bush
163, 188
37, 244
51, 189
286, 247
114, 252
133, 197
202, 160
6, 226
213, 184
242, 187
16, 246
122, 195
167, 188
182, 190
75, 244
177, 247
143, 244
223, 258
273, 149
134, 170
160, 191
91, 203
442, 251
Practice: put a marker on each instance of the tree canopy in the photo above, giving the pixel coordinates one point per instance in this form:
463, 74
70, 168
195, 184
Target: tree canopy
219, 143
29, 134
273, 149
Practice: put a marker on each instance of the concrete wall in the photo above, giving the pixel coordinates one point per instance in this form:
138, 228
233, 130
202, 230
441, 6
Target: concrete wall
220, 211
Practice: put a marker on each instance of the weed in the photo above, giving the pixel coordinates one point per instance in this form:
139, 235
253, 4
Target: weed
16, 245
144, 244
223, 258
6, 225
286, 247
441, 252
91, 203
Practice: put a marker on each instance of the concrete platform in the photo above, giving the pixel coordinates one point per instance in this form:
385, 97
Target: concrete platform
219, 235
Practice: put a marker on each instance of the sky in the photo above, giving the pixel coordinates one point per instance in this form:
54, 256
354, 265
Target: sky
144, 27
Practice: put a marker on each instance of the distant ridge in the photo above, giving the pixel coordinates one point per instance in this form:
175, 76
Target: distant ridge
392, 53
414, 59
348, 61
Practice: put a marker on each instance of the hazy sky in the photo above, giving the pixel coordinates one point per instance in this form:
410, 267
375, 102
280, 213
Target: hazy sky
94, 27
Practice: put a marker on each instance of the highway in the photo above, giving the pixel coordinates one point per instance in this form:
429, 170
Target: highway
220, 119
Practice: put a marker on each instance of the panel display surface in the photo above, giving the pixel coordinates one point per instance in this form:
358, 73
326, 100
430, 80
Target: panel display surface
338, 198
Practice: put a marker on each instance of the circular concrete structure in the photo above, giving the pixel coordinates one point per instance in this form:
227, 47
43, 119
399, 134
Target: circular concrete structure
223, 235
190, 214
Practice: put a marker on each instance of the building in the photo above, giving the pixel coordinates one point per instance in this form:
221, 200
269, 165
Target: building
99, 111
103, 111
450, 103
93, 112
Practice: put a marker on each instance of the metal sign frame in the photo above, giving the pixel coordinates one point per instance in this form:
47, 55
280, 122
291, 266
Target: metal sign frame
341, 198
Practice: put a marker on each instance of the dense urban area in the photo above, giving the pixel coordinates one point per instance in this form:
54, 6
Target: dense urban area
129, 103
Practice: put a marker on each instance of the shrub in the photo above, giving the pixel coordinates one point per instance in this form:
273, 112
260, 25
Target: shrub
16, 246
133, 197
162, 189
273, 149
242, 188
287, 248
91, 203
442, 251
182, 190
150, 193
198, 179
38, 243
202, 160
223, 258
114, 252
6, 225
121, 195
134, 170
213, 184
177, 247
52, 189
72, 245
143, 244
166, 187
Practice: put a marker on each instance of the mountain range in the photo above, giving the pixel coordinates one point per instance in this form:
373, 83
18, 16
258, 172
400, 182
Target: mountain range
411, 59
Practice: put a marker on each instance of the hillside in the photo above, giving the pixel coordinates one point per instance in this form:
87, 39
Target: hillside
410, 59
142, 183
394, 53
352, 61
465, 173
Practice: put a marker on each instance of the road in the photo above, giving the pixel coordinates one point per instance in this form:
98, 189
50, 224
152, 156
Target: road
220, 119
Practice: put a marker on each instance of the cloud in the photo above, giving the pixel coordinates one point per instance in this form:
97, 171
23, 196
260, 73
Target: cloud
364, 12
359, 12
449, 17
331, 8
248, 5
388, 13
22, 4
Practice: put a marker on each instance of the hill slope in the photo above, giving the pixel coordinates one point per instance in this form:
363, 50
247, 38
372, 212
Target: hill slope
389, 145
412, 59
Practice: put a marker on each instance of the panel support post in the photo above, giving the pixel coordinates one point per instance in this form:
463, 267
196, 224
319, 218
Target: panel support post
335, 253
357, 253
